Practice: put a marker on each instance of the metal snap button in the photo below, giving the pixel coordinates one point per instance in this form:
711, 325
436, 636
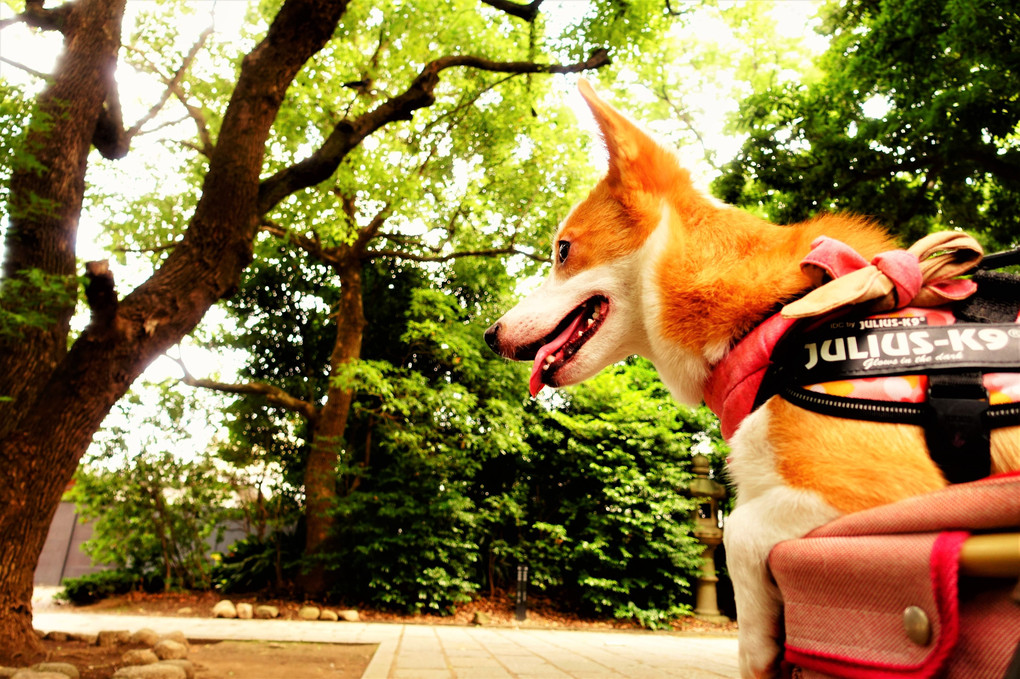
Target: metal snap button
917, 625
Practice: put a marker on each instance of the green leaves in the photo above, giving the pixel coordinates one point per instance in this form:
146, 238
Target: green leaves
34, 300
153, 518
604, 521
158, 504
92, 587
940, 153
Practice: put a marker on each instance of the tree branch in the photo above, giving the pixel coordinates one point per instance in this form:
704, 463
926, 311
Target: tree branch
37, 16
459, 112
400, 239
113, 141
685, 117
348, 134
273, 394
173, 85
527, 12
368, 233
101, 295
169, 123
201, 124
163, 247
197, 148
109, 137
312, 245
31, 71
494, 252
675, 12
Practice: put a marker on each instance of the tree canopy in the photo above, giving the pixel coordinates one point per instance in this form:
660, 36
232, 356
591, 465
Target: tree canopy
911, 119
258, 132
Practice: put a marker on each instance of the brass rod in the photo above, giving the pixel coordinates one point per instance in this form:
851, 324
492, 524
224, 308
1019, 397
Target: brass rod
991, 556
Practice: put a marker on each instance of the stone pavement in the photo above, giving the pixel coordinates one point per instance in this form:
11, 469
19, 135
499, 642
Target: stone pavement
455, 652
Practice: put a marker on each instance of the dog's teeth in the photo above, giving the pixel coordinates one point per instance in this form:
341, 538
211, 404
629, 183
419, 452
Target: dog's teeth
549, 360
594, 317
591, 322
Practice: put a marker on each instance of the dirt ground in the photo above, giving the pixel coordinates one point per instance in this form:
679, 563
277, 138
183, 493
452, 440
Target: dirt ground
277, 660
230, 659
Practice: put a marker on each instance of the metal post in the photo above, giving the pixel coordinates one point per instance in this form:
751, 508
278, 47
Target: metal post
522, 593
70, 545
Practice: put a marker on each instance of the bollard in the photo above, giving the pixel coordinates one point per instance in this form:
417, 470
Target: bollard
522, 593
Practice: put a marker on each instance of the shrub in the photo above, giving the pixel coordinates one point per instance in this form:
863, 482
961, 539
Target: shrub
602, 522
255, 564
95, 586
154, 515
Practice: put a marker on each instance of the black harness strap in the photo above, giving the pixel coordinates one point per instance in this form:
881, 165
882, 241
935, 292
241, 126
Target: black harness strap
956, 416
1000, 260
956, 430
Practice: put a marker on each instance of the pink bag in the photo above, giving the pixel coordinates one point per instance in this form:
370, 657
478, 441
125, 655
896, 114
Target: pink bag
879, 593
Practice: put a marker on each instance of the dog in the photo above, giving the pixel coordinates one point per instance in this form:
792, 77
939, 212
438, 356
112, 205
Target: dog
648, 265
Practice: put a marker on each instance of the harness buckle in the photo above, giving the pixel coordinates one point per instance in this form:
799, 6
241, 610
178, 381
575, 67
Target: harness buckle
956, 433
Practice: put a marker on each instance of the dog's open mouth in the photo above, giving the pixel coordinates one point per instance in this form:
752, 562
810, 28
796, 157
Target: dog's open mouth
559, 346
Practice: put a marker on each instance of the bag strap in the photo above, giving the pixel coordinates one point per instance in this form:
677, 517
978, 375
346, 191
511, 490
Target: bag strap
999, 260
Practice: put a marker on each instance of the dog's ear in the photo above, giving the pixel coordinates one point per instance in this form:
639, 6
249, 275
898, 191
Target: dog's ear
636, 161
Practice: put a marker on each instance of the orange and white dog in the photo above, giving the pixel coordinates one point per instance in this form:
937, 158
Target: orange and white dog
647, 265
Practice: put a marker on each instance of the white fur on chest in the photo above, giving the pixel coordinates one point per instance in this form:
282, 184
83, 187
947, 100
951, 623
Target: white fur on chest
768, 512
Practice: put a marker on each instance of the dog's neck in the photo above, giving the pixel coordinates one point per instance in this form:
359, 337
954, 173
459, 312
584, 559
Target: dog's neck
771, 273
724, 271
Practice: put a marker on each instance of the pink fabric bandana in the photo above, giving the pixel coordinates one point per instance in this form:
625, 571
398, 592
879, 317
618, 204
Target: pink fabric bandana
924, 275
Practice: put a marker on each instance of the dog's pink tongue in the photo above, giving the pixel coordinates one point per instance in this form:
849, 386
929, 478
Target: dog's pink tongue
536, 382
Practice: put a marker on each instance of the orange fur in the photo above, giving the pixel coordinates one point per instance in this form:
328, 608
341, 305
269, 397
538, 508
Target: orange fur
725, 269
1005, 449
626, 206
852, 464
596, 235
723, 275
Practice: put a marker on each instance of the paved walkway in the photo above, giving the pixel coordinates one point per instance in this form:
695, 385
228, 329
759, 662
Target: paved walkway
453, 652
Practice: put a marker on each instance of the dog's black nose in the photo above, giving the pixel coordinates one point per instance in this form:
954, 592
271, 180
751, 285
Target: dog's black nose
492, 337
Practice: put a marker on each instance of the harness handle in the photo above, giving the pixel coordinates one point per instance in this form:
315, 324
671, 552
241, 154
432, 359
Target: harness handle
999, 260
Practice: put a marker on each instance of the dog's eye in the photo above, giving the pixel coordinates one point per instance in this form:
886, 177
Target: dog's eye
562, 250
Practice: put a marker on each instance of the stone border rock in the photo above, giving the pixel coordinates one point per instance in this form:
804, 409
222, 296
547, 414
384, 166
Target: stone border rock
164, 656
226, 608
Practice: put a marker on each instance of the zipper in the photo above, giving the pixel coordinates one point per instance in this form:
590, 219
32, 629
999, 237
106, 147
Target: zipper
856, 408
1010, 412
1000, 415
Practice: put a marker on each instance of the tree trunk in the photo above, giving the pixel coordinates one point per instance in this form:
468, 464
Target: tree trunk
55, 399
330, 427
44, 210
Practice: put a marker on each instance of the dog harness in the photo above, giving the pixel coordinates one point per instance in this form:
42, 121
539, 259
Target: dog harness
953, 369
